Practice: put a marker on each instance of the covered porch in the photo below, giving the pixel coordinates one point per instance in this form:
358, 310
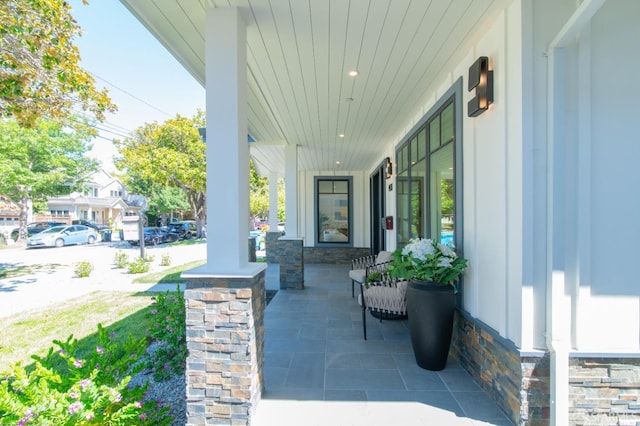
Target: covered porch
319, 370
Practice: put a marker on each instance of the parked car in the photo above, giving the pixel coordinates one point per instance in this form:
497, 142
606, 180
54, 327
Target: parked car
90, 224
59, 236
186, 229
154, 236
34, 228
259, 238
168, 236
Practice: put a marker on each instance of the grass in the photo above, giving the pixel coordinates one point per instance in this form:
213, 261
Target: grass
13, 271
169, 275
32, 333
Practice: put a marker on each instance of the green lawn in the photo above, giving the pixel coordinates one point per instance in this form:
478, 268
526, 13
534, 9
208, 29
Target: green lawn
19, 270
168, 276
32, 333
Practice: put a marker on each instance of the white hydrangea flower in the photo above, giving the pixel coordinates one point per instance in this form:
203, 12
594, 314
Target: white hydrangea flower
447, 250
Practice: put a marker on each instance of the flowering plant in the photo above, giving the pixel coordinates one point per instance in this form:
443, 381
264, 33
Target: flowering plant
427, 260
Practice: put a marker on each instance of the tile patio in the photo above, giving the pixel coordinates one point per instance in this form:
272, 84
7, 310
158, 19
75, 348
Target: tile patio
320, 371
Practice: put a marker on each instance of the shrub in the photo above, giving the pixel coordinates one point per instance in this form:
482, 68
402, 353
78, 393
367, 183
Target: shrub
168, 330
165, 260
83, 269
64, 388
121, 259
138, 266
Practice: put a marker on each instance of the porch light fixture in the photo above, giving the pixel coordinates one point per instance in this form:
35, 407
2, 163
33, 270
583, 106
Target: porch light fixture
481, 79
353, 73
341, 135
389, 168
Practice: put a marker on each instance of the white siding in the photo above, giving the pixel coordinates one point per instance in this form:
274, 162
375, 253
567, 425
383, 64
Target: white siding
608, 308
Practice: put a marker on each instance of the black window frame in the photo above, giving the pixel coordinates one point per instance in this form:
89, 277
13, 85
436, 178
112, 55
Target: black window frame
316, 183
403, 149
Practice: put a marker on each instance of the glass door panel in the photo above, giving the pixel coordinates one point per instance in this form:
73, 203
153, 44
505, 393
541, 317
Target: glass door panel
441, 197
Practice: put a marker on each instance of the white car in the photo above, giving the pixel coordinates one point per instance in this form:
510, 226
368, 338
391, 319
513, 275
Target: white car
59, 236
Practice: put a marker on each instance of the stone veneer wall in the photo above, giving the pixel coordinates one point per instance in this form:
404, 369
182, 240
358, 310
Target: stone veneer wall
334, 254
291, 263
273, 249
602, 391
225, 340
274, 252
518, 384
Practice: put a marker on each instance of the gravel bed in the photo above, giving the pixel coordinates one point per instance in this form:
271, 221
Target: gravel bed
171, 392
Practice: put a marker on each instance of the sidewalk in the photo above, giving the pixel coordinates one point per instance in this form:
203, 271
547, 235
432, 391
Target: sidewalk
41, 289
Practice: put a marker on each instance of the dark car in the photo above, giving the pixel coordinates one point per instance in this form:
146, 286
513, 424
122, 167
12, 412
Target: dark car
185, 229
154, 236
90, 224
35, 228
168, 236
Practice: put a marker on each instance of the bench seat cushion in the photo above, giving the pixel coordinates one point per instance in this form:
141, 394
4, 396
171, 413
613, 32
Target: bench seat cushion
358, 275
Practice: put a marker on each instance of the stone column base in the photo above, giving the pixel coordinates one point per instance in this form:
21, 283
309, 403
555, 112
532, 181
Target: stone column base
291, 263
225, 339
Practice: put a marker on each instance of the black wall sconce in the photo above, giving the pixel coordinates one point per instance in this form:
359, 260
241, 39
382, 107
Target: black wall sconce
481, 79
389, 167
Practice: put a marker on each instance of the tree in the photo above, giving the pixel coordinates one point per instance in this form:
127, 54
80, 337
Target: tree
44, 161
161, 199
166, 200
173, 154
40, 74
258, 194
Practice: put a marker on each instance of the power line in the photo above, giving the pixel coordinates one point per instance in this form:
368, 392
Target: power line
127, 93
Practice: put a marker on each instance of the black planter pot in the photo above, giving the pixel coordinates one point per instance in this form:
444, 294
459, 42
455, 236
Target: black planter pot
430, 307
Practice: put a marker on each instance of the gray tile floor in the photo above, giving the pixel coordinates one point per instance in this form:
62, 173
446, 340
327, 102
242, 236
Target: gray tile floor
320, 371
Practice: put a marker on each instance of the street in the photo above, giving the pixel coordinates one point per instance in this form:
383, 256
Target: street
54, 280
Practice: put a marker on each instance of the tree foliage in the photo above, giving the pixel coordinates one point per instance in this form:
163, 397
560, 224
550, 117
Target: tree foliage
40, 73
44, 161
171, 153
161, 199
258, 194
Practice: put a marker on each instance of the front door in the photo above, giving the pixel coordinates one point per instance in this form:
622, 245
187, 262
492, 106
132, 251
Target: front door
377, 209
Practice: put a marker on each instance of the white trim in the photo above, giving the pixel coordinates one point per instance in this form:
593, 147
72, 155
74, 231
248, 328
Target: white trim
557, 308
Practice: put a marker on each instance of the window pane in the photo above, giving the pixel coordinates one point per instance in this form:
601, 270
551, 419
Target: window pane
402, 159
441, 205
403, 208
422, 144
434, 134
325, 186
333, 210
413, 146
340, 187
447, 124
418, 200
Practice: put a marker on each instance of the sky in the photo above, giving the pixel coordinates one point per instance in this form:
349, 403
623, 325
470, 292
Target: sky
144, 80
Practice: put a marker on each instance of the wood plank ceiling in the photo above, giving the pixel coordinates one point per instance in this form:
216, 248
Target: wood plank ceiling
299, 56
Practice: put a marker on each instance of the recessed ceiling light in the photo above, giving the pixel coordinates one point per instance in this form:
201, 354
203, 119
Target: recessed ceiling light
341, 135
337, 162
353, 73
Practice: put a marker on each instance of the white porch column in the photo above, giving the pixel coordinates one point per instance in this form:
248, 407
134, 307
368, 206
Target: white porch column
291, 190
225, 298
227, 147
273, 201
